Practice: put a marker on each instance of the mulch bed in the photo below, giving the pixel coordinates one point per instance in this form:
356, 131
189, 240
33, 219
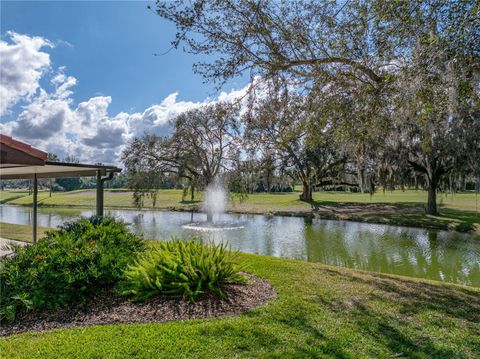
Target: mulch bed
107, 308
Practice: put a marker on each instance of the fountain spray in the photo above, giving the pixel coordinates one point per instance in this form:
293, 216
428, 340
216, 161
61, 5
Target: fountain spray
215, 200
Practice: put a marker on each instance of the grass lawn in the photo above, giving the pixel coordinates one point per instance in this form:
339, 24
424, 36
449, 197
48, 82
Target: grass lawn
166, 199
320, 311
6, 196
20, 232
403, 208
461, 201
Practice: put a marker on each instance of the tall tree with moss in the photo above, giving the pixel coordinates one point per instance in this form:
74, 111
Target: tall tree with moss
436, 107
290, 129
439, 121
388, 56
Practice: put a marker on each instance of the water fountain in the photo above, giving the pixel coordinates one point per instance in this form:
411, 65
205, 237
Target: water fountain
214, 206
215, 201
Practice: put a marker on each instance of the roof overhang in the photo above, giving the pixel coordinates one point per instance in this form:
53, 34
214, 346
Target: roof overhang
19, 160
55, 170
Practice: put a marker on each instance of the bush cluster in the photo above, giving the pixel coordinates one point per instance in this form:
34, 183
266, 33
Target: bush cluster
465, 227
67, 266
182, 267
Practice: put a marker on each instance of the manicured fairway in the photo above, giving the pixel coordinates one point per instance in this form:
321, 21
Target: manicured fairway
468, 201
320, 311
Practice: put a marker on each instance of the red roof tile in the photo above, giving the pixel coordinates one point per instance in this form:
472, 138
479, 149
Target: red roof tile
22, 146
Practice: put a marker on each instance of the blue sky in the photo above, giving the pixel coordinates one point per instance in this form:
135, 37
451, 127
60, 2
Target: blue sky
106, 50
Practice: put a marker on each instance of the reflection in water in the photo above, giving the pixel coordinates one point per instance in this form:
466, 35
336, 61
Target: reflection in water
446, 256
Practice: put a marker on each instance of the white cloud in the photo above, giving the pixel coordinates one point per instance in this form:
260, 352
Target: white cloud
41, 119
156, 119
51, 121
22, 64
47, 113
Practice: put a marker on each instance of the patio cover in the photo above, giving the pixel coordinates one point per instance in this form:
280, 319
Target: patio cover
19, 160
54, 170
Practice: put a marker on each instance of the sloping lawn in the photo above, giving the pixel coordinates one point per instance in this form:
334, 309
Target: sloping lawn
6, 196
20, 232
320, 311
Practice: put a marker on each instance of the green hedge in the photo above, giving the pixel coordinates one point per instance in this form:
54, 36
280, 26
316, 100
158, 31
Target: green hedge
67, 266
182, 267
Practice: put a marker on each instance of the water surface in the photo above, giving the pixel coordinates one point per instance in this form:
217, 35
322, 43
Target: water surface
440, 255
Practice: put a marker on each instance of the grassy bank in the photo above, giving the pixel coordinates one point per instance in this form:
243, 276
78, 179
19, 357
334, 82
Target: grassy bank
7, 196
320, 311
401, 208
20, 232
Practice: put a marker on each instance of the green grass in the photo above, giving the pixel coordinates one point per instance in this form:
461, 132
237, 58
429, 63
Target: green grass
20, 232
264, 201
260, 202
6, 196
320, 311
397, 207
166, 199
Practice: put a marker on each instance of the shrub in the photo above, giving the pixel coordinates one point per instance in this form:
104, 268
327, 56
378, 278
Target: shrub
465, 227
182, 267
67, 266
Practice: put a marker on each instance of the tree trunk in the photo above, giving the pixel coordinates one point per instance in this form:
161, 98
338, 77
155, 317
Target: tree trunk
432, 197
433, 173
464, 184
192, 193
361, 179
267, 184
307, 192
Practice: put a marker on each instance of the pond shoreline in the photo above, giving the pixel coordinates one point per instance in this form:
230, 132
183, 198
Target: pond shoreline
378, 213
447, 256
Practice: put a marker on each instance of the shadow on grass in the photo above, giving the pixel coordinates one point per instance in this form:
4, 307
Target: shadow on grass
323, 343
389, 332
392, 316
415, 305
400, 213
464, 216
190, 201
415, 297
269, 333
381, 206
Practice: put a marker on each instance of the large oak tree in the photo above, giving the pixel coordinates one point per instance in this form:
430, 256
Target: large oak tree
204, 142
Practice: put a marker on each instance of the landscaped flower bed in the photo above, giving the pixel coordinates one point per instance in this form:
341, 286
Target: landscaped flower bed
68, 266
188, 268
110, 308
90, 271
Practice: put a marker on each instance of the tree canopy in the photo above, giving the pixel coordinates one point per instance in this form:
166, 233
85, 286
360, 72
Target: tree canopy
357, 93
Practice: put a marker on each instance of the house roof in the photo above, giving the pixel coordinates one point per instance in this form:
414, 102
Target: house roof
22, 146
19, 160
14, 153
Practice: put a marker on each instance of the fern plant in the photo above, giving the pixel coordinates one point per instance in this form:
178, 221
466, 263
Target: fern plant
182, 267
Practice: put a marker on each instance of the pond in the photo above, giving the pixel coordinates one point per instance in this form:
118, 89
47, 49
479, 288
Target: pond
445, 256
